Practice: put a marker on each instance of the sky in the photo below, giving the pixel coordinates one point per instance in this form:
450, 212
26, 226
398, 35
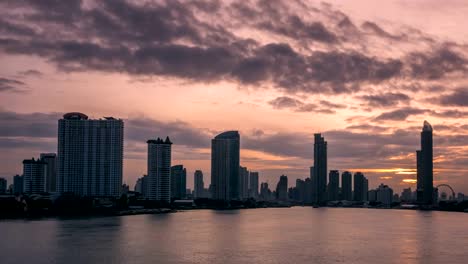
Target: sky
364, 73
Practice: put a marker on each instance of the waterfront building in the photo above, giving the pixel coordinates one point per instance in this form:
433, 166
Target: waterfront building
89, 156
159, 170
225, 157
424, 166
34, 175
199, 185
178, 182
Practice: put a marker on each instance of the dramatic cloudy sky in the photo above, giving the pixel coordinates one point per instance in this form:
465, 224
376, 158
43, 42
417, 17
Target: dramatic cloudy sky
364, 73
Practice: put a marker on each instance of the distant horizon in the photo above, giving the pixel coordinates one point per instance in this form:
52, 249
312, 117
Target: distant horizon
364, 74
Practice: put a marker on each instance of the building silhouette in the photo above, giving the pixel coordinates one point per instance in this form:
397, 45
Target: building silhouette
89, 156
360, 187
346, 186
424, 165
384, 195
225, 156
282, 188
159, 170
253, 185
178, 182
141, 185
199, 185
333, 185
320, 169
243, 182
3, 185
18, 184
51, 176
34, 176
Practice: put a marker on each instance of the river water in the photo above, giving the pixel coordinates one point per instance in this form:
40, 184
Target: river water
271, 235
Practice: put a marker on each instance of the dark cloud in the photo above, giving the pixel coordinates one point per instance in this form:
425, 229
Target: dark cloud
400, 114
30, 73
285, 102
375, 29
385, 99
11, 85
32, 125
436, 64
459, 97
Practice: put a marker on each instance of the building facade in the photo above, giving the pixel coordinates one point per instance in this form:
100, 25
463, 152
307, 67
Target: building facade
89, 155
51, 177
178, 182
320, 169
225, 156
243, 182
199, 184
346, 186
253, 185
424, 165
34, 176
333, 185
159, 170
282, 189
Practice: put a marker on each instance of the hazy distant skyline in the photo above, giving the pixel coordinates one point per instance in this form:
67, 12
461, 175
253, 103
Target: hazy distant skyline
365, 74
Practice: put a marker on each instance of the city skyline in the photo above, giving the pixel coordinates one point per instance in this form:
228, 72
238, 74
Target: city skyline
362, 74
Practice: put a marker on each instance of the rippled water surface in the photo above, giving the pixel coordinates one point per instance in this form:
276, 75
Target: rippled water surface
273, 235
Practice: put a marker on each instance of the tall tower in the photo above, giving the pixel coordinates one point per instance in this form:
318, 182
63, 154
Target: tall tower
424, 166
89, 155
346, 186
320, 169
34, 175
159, 170
243, 182
199, 185
253, 184
333, 185
225, 156
178, 182
51, 177
282, 188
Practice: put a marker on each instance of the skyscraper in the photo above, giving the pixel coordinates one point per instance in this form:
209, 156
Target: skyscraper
199, 185
425, 184
243, 183
18, 184
320, 169
34, 175
360, 187
51, 176
90, 155
178, 182
225, 156
3, 185
282, 188
333, 185
159, 170
253, 184
346, 186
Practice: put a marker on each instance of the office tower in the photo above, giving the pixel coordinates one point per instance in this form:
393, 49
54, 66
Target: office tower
308, 191
34, 175
199, 185
365, 189
141, 185
312, 192
225, 156
265, 192
282, 188
372, 196
18, 186
3, 185
346, 186
320, 169
51, 177
384, 195
300, 187
253, 184
159, 170
406, 195
90, 155
333, 185
178, 182
424, 165
243, 183
359, 187
137, 187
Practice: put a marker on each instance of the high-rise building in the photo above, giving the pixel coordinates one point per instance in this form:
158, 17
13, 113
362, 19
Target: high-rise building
265, 192
51, 177
365, 190
346, 186
320, 169
333, 185
225, 156
3, 185
282, 188
34, 175
199, 185
424, 165
159, 170
359, 187
253, 185
384, 195
90, 155
243, 183
406, 195
141, 185
18, 184
178, 182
